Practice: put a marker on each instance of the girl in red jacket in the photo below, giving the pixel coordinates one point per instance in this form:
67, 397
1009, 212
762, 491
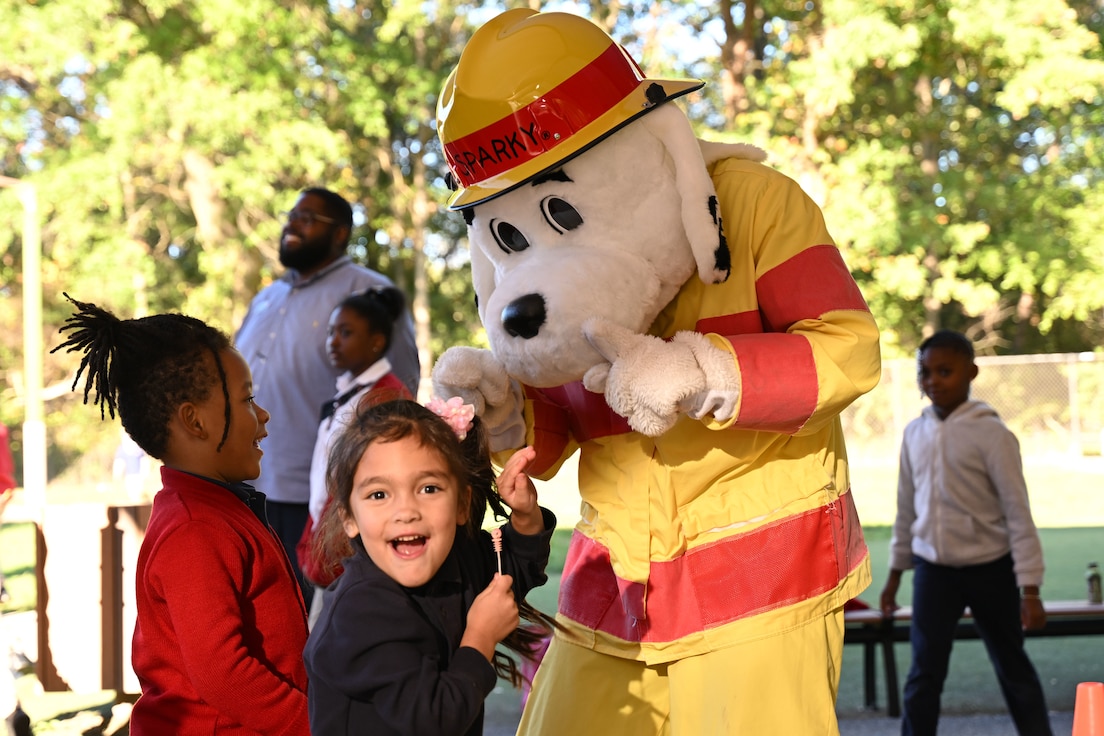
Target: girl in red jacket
221, 623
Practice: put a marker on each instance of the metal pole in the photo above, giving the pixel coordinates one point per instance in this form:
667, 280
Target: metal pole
1075, 446
34, 424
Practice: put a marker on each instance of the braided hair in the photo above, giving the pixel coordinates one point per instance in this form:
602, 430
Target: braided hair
143, 369
469, 461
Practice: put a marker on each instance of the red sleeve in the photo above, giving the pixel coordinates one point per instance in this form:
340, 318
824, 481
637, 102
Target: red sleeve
807, 289
549, 432
819, 347
7, 463
198, 575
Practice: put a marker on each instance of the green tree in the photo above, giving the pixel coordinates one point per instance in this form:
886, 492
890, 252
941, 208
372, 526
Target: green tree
953, 145
165, 136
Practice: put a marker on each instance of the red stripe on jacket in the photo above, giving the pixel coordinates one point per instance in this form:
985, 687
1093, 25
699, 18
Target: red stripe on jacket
783, 371
781, 564
812, 283
783, 375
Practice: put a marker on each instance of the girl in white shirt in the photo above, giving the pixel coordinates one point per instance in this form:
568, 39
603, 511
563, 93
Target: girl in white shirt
358, 337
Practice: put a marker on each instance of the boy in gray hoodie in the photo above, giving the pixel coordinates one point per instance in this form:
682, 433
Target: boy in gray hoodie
964, 528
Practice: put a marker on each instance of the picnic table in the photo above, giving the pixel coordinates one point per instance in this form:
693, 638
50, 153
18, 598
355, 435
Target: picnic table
868, 627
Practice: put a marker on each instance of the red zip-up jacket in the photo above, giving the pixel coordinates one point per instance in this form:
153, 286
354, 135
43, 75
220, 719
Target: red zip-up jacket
218, 645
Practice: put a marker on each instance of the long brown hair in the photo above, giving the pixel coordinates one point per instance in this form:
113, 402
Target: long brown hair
469, 461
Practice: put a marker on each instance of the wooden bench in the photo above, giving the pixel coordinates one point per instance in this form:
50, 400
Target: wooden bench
867, 627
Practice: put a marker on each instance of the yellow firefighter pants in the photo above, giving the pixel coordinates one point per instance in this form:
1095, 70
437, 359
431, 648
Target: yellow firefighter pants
782, 684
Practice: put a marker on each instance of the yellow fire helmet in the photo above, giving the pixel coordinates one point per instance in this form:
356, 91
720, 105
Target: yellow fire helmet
531, 91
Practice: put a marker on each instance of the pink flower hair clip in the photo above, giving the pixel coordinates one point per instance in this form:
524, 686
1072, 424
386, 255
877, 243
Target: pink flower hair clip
455, 412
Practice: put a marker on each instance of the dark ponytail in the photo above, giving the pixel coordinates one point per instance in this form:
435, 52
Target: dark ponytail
527, 638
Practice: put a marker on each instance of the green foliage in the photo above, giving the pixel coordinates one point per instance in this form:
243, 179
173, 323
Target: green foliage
986, 199
163, 138
17, 550
954, 146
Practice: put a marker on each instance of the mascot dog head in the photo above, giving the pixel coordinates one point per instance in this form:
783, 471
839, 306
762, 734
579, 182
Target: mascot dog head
585, 195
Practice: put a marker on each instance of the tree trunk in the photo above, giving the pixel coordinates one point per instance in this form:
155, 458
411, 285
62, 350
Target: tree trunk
737, 57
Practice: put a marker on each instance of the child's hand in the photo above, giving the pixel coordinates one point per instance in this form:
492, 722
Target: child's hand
1032, 614
518, 492
492, 616
887, 601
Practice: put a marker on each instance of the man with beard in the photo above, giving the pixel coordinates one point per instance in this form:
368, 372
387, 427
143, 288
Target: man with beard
283, 338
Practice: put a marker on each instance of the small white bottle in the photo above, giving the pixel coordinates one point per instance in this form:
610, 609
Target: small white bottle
1092, 577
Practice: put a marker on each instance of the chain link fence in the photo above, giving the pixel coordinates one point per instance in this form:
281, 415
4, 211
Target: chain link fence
1054, 403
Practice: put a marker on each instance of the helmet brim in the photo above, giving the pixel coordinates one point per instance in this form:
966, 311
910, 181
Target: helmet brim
646, 97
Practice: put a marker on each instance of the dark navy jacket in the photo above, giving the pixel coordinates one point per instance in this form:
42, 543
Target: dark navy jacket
386, 660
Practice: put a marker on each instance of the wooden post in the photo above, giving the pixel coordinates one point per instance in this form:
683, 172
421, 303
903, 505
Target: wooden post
45, 671
111, 576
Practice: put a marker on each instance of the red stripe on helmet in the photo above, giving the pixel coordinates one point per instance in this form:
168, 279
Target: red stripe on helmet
546, 122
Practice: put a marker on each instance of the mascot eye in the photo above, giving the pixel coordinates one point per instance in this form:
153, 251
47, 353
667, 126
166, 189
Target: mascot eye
509, 238
561, 215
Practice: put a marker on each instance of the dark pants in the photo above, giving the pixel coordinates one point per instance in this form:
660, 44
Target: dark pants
289, 520
18, 723
939, 596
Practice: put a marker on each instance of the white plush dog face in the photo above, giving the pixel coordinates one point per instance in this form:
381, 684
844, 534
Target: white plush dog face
602, 236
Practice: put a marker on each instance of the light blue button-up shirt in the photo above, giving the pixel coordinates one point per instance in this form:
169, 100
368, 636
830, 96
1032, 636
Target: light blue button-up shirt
283, 339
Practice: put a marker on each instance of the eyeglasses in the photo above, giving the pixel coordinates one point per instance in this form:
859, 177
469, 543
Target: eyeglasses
307, 218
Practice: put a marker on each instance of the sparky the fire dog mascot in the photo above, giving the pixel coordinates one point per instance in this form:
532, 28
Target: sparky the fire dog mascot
677, 313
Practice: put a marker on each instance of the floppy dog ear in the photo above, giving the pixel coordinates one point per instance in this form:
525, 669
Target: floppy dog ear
483, 271
700, 217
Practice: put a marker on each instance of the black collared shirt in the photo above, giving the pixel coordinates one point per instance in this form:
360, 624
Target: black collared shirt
250, 496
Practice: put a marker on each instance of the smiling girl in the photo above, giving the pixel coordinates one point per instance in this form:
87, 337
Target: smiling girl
406, 642
220, 620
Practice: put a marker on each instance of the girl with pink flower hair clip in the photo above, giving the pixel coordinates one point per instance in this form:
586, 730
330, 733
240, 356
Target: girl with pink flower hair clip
407, 641
455, 412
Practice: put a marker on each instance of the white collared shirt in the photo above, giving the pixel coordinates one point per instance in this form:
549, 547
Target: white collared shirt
329, 427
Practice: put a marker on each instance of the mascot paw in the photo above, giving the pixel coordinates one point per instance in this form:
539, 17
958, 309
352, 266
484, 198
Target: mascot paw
721, 395
477, 377
645, 378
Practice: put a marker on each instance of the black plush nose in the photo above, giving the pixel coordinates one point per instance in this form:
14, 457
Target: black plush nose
524, 316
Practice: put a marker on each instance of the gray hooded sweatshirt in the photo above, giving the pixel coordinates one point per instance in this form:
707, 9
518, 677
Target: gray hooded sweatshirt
961, 495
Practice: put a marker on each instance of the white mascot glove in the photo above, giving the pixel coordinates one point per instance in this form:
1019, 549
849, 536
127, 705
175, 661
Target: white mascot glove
477, 377
649, 381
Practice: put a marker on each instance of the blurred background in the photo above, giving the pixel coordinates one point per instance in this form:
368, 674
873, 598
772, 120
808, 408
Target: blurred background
147, 147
